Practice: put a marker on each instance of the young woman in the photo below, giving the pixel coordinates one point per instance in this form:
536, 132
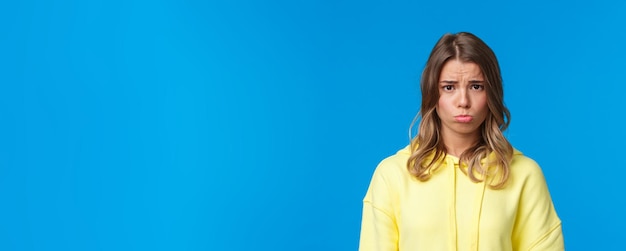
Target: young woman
460, 185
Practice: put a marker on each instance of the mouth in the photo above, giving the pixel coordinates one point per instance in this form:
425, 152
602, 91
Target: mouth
463, 118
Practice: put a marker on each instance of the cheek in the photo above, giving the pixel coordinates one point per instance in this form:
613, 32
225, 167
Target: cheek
441, 102
481, 104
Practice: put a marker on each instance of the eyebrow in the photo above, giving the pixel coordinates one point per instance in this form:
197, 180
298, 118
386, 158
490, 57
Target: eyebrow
448, 82
475, 81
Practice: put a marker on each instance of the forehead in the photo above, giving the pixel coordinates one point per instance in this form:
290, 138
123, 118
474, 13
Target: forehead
457, 68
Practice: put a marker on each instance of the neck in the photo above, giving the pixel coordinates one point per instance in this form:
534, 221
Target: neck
457, 144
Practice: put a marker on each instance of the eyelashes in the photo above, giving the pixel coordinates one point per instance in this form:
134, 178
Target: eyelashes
475, 87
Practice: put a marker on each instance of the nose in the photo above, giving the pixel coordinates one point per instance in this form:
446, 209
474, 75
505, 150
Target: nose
463, 99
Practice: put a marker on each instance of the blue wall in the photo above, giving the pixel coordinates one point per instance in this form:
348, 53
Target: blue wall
235, 125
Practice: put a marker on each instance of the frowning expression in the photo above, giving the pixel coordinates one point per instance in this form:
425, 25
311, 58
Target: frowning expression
462, 105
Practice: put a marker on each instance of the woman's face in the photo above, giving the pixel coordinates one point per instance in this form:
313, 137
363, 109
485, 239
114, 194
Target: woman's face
462, 105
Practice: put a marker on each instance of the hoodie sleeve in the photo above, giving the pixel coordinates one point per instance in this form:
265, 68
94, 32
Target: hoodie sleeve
537, 226
379, 231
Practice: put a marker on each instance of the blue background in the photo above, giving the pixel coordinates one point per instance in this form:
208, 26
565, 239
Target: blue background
256, 125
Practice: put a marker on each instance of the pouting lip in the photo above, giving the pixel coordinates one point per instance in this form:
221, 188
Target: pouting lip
463, 118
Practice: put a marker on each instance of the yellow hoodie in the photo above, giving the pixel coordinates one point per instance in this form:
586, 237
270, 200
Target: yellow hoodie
450, 212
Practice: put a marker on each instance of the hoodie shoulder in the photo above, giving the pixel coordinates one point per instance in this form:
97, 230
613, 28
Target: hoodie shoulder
395, 164
524, 166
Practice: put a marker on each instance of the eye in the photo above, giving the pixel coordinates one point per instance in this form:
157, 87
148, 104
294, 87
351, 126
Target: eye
477, 87
447, 87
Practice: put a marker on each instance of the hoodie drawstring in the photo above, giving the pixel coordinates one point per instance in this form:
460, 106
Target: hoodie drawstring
478, 196
450, 164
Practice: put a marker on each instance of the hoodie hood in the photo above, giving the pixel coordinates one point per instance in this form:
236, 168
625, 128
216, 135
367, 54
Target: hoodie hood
463, 195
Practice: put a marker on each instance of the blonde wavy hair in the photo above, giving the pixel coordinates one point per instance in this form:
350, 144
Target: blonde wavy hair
491, 156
